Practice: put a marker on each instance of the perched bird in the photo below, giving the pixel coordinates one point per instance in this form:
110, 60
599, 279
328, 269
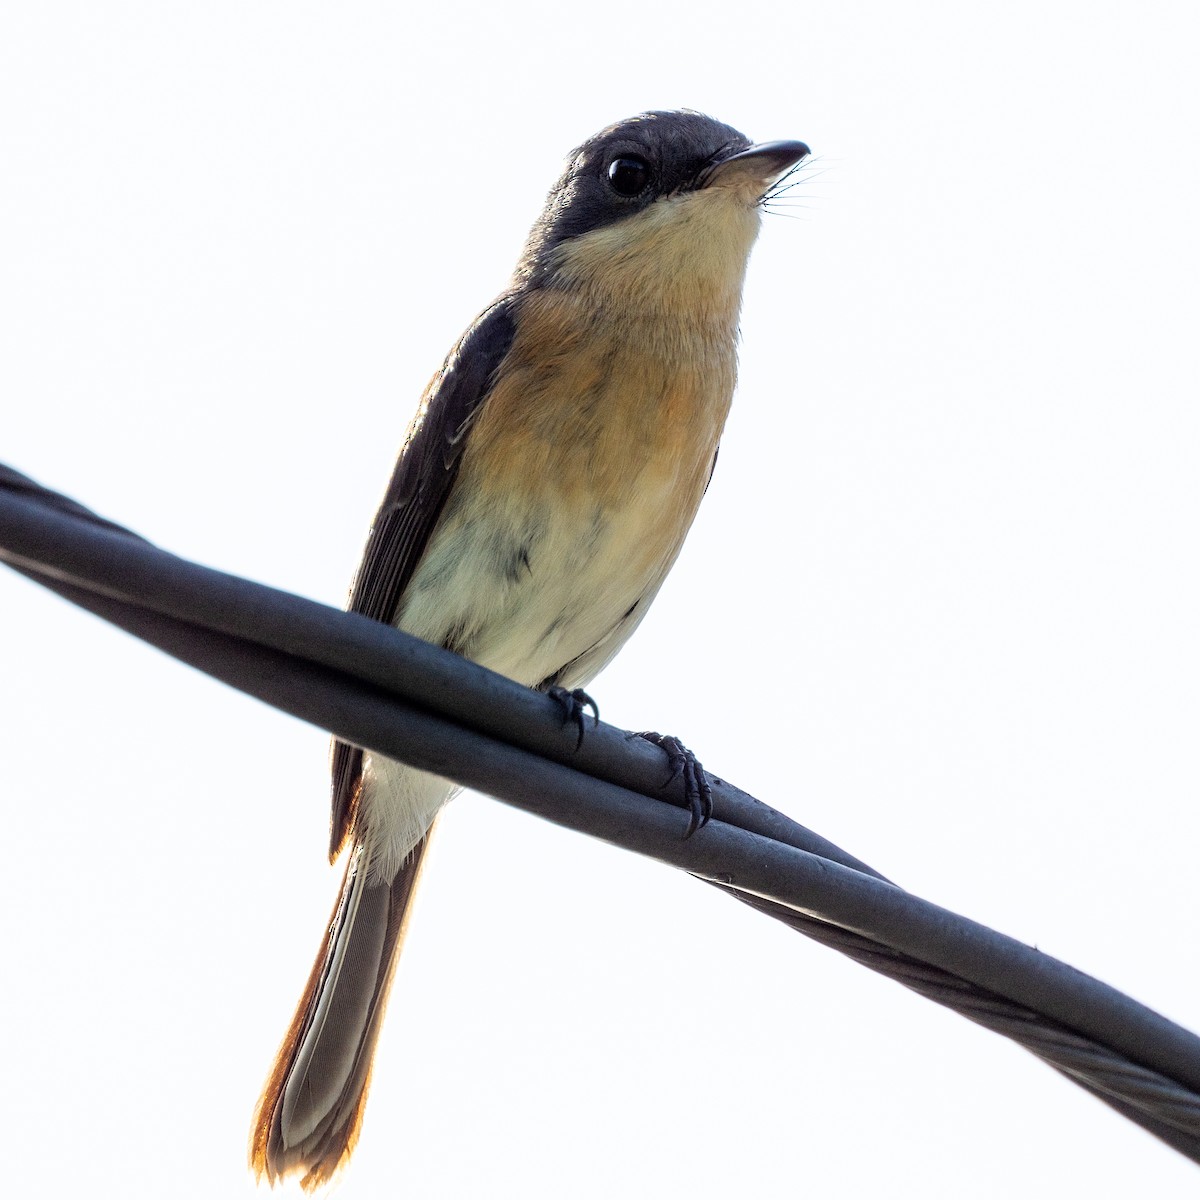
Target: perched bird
543, 492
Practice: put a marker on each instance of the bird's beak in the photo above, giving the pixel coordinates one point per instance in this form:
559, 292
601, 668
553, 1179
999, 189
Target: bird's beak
761, 164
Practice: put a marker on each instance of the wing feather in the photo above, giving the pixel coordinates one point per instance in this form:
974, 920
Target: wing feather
412, 504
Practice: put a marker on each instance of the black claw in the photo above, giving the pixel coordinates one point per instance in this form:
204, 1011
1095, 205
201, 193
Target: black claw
574, 704
696, 789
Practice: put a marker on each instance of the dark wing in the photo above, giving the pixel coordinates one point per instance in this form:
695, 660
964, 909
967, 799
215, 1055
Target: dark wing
418, 489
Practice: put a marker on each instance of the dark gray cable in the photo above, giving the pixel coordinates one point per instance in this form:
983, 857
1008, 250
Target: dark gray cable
382, 690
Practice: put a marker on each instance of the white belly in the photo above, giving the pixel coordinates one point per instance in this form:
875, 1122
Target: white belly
571, 600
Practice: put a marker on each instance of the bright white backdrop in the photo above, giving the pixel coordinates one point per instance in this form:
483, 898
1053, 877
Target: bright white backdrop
940, 604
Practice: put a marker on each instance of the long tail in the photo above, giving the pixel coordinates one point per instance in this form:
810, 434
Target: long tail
308, 1116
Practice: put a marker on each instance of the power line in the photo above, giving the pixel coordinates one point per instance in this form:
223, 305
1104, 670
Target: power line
398, 696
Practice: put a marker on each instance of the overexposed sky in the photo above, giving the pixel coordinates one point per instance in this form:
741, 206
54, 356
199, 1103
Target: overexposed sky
940, 603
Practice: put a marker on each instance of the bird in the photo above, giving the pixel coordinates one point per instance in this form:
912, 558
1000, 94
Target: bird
542, 493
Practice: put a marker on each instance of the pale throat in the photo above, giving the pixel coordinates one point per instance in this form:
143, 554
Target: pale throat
682, 261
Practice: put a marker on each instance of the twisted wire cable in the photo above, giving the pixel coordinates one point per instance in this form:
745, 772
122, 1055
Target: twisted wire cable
392, 694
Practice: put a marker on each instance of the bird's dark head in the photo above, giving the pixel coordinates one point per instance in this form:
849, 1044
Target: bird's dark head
662, 198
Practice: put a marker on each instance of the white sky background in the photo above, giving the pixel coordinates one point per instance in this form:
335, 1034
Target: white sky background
940, 603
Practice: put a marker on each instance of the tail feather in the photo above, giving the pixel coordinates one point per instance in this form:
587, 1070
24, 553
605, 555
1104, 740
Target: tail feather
308, 1116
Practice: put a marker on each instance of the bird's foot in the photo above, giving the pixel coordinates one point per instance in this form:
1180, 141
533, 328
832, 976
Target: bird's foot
575, 704
696, 790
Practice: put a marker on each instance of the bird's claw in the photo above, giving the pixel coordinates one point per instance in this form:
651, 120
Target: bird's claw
696, 789
575, 704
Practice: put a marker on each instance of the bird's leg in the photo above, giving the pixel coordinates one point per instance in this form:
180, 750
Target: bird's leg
696, 790
574, 704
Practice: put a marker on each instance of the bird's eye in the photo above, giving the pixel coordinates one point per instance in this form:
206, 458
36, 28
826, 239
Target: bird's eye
628, 175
